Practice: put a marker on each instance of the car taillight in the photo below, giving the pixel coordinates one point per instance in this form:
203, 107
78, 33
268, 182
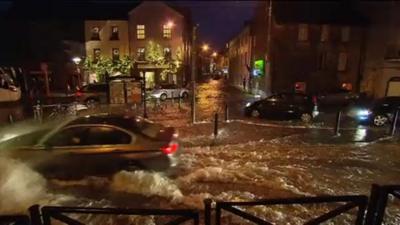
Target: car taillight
170, 148
78, 94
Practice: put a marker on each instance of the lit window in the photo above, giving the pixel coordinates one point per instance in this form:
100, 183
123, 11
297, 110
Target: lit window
167, 31
140, 32
96, 53
345, 37
303, 32
115, 54
141, 53
342, 62
114, 33
95, 33
324, 33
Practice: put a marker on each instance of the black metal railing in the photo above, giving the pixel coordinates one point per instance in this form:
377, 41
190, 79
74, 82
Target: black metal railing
61, 214
350, 202
355, 204
14, 219
378, 202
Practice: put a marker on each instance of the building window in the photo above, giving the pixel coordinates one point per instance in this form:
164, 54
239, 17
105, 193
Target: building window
167, 53
167, 31
303, 32
141, 53
322, 60
345, 34
342, 62
95, 33
114, 33
140, 32
115, 54
96, 54
324, 33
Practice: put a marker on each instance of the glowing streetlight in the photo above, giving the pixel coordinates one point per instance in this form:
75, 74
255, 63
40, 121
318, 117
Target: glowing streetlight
205, 47
170, 24
76, 60
214, 54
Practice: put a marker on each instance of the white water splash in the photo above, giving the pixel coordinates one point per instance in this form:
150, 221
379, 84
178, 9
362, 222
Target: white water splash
147, 184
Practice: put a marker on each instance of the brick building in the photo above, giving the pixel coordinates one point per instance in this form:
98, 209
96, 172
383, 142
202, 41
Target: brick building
316, 43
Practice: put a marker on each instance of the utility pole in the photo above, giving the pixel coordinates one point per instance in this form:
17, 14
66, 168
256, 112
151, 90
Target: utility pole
268, 52
193, 74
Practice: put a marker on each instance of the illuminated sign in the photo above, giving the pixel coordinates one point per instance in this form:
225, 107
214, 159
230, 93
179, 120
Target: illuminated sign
259, 66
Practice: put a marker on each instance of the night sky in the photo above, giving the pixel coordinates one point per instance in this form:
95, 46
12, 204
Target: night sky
219, 20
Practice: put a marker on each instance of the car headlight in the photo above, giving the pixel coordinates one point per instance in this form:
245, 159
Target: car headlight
364, 112
248, 104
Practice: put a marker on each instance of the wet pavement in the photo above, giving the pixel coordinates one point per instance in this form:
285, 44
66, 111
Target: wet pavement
247, 160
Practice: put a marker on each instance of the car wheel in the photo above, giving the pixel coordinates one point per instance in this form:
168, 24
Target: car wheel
306, 117
91, 102
255, 113
185, 95
163, 97
380, 120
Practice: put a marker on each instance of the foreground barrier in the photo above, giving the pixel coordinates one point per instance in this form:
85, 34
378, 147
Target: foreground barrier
344, 204
350, 202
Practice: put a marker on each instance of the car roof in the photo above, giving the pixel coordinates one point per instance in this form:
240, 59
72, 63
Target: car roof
119, 120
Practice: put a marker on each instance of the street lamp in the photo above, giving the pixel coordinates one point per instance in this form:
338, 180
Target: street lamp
170, 24
205, 47
77, 60
214, 54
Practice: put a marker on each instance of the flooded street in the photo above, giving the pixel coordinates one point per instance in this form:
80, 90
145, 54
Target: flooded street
250, 159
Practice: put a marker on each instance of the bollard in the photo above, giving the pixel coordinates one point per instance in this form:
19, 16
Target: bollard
207, 211
337, 125
10, 118
179, 102
394, 123
216, 125
226, 113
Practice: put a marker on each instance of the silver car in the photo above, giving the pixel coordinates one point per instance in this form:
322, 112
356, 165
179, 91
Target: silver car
169, 91
100, 144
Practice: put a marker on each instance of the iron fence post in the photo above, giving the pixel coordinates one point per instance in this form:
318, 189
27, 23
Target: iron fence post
362, 205
215, 125
394, 123
35, 216
217, 214
226, 113
207, 211
337, 124
180, 102
376, 206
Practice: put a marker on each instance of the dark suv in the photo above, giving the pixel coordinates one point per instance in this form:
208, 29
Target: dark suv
92, 94
283, 106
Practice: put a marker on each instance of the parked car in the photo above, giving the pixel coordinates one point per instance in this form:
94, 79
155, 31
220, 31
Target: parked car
284, 106
338, 97
165, 91
92, 94
99, 144
380, 113
9, 90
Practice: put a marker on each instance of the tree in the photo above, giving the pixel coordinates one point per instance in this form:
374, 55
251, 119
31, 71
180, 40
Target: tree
105, 65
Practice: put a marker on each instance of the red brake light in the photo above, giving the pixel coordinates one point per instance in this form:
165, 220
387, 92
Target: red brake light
78, 94
170, 149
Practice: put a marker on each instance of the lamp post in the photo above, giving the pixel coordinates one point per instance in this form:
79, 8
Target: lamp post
193, 74
77, 61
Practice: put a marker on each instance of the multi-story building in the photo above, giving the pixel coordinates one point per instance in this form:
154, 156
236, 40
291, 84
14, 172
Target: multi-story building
168, 30
240, 57
315, 44
381, 71
107, 38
